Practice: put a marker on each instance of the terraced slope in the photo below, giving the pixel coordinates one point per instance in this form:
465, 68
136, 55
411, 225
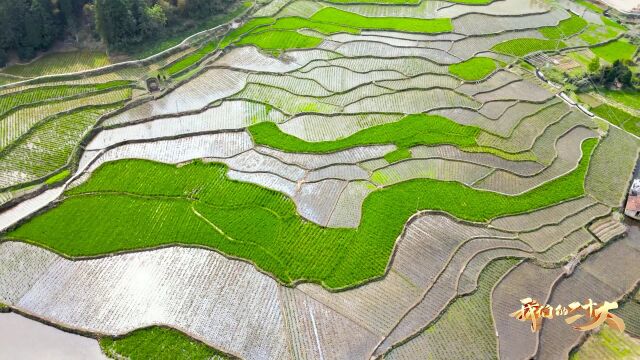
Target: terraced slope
320, 169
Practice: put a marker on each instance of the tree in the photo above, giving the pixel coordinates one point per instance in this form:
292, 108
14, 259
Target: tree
115, 22
155, 21
3, 57
594, 65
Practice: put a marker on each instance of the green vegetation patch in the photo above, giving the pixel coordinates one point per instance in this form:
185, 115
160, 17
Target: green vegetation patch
618, 117
474, 69
608, 344
615, 50
524, 46
10, 101
610, 23
565, 29
397, 155
412, 130
418, 129
386, 2
59, 63
158, 343
191, 59
280, 39
135, 204
58, 177
295, 23
345, 18
244, 29
591, 6
626, 97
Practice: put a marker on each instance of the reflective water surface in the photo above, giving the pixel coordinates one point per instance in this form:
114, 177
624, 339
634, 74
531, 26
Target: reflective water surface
26, 339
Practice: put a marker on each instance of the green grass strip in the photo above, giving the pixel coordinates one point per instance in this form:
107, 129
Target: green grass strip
476, 68
158, 343
58, 177
345, 18
524, 46
191, 59
295, 23
418, 129
136, 204
244, 29
397, 155
412, 130
279, 40
565, 29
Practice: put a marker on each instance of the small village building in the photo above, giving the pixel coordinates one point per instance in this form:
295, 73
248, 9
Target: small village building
633, 201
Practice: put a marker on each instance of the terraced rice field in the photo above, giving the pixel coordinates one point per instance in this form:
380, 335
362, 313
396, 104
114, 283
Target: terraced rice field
323, 180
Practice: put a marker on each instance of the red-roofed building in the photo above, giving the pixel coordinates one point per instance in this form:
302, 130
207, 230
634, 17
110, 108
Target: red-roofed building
633, 201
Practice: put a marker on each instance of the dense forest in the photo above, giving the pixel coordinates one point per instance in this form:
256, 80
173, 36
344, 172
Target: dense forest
29, 26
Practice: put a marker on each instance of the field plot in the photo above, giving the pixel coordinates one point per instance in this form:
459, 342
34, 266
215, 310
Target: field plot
326, 180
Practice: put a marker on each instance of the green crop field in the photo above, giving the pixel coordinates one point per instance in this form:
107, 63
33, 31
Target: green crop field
566, 28
12, 101
476, 68
135, 204
392, 170
191, 59
521, 47
619, 117
398, 155
344, 18
410, 131
617, 50
158, 343
280, 39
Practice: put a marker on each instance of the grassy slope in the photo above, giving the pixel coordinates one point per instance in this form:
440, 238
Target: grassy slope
618, 117
60, 62
630, 98
152, 47
158, 343
474, 69
251, 222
